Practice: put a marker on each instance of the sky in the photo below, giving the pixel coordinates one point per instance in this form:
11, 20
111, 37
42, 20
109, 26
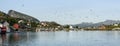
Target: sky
65, 11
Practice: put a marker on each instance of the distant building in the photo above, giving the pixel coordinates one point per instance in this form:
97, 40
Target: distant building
44, 23
115, 24
16, 14
71, 27
102, 27
117, 28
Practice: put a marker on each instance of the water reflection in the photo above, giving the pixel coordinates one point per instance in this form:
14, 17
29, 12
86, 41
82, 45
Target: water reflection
15, 39
3, 41
61, 38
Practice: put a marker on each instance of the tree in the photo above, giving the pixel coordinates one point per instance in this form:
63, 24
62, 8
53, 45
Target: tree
66, 26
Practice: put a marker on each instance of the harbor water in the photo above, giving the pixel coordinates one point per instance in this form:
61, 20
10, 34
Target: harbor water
61, 38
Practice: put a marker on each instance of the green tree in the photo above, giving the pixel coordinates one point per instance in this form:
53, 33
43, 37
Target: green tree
66, 26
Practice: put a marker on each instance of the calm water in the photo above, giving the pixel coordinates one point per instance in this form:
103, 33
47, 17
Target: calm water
61, 38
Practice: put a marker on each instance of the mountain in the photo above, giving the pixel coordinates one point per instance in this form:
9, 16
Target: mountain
107, 22
84, 24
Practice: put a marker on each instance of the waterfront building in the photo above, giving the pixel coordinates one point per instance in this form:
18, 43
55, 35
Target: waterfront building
71, 27
102, 27
115, 24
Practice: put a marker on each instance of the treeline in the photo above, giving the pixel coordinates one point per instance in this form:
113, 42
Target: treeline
112, 26
49, 24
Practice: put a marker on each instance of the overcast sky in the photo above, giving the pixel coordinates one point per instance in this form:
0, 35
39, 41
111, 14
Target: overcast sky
66, 11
